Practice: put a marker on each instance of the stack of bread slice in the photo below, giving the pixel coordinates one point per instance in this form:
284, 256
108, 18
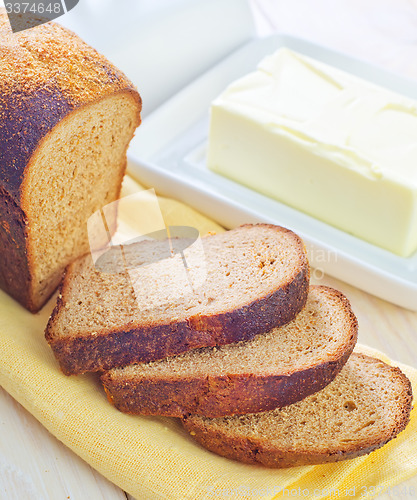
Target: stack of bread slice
257, 363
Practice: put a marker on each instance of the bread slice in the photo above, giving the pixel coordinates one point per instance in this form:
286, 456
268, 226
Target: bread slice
272, 370
366, 406
66, 118
256, 279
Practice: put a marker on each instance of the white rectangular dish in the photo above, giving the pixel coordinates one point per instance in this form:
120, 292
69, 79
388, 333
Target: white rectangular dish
169, 154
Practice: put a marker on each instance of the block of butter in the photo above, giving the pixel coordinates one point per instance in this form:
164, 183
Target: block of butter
324, 142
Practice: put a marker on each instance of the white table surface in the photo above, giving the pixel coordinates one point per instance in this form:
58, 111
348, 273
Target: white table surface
381, 31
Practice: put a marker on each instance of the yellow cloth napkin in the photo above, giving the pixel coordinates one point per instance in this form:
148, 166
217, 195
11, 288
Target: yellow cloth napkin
154, 458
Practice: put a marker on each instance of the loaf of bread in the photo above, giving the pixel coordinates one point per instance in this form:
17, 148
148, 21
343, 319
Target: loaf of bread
366, 406
272, 370
66, 118
257, 278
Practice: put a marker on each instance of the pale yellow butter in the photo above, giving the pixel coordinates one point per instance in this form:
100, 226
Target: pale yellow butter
325, 142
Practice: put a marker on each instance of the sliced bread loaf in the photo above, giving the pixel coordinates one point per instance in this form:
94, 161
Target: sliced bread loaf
257, 278
366, 406
272, 370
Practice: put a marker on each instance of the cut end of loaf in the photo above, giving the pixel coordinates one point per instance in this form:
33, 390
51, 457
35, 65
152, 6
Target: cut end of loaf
366, 406
77, 169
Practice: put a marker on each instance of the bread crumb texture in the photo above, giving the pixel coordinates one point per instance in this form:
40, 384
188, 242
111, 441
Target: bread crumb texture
242, 266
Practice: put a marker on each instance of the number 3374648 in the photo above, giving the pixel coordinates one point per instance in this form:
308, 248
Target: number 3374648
33, 8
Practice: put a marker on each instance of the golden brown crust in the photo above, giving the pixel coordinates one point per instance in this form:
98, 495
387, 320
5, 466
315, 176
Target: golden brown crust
256, 450
46, 73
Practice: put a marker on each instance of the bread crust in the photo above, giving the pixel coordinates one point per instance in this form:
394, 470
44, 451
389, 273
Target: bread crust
46, 74
14, 267
255, 450
80, 354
